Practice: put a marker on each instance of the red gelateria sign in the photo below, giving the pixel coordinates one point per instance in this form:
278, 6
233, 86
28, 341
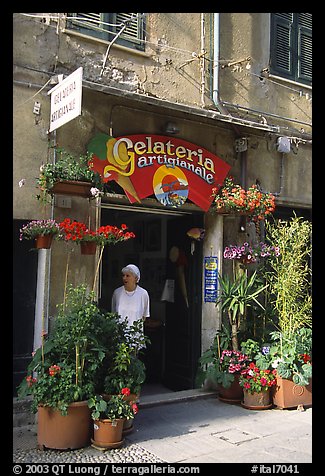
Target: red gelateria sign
172, 169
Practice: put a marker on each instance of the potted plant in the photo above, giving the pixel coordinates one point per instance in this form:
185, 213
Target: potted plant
222, 367
291, 359
235, 296
61, 375
42, 231
232, 198
109, 415
257, 384
289, 297
68, 175
123, 368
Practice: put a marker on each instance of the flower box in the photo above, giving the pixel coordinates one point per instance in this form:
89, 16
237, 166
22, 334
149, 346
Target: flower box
287, 394
70, 187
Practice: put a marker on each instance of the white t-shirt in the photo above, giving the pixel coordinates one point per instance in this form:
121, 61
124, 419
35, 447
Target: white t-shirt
131, 304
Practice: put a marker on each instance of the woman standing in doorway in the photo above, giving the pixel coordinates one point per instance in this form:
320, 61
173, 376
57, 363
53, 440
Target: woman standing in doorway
131, 301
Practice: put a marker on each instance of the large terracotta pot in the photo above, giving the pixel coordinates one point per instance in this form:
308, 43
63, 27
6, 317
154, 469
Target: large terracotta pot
108, 433
62, 432
287, 394
232, 394
257, 400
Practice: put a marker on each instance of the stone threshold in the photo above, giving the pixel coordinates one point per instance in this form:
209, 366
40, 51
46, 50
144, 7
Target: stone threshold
146, 401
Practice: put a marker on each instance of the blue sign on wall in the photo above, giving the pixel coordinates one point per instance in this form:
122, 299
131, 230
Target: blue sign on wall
210, 278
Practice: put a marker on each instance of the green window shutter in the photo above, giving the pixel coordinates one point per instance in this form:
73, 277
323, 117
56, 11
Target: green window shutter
291, 46
282, 45
305, 46
89, 24
101, 25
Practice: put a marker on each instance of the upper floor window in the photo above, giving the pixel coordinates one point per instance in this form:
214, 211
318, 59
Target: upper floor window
107, 25
291, 46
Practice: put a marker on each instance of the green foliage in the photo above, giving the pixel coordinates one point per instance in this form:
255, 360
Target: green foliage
290, 355
114, 408
126, 369
236, 295
288, 274
66, 167
66, 368
250, 347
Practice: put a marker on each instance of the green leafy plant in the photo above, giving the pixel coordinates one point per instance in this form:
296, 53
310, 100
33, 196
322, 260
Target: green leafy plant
66, 167
235, 296
290, 355
288, 275
218, 364
113, 408
126, 369
63, 370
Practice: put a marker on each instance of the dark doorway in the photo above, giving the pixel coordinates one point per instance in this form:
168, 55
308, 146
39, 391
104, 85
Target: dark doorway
183, 316
24, 294
175, 333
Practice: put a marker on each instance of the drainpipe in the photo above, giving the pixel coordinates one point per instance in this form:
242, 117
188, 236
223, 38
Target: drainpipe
216, 52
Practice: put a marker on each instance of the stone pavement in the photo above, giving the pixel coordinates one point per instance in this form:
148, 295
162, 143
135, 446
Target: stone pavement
185, 427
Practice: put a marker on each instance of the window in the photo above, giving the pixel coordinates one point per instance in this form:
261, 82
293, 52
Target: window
107, 25
291, 46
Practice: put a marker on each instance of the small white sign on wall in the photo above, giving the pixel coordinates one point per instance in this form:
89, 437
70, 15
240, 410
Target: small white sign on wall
66, 100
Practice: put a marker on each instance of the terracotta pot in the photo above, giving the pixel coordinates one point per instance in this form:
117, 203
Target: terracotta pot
88, 247
232, 394
71, 187
43, 241
62, 432
287, 394
108, 433
257, 400
132, 398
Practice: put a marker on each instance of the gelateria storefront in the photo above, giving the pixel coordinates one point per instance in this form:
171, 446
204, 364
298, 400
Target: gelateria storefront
167, 184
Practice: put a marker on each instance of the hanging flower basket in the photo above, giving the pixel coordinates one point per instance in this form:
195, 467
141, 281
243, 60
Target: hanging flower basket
43, 241
88, 247
231, 198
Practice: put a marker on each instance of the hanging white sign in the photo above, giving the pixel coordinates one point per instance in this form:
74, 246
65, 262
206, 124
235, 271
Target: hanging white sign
66, 100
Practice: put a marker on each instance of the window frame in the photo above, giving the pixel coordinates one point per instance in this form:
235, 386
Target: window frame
290, 47
107, 32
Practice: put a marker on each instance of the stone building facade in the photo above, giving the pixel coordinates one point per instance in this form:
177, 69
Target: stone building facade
234, 84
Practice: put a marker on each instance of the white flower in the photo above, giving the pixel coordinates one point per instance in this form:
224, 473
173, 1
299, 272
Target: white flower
95, 192
21, 182
276, 363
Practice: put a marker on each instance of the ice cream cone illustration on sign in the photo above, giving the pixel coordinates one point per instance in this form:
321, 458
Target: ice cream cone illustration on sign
113, 161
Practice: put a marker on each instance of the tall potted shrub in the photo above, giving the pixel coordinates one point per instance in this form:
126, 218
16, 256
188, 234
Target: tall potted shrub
61, 375
288, 278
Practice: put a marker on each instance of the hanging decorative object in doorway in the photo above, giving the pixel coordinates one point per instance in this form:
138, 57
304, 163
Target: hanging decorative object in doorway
196, 234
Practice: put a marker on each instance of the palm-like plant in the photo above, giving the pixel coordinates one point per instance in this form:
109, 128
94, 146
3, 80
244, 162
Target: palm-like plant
236, 295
